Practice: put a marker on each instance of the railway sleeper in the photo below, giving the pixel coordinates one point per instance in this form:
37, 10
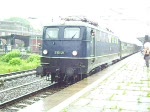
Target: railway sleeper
1, 82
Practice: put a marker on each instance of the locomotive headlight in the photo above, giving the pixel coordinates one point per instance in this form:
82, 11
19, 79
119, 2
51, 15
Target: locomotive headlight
45, 51
74, 53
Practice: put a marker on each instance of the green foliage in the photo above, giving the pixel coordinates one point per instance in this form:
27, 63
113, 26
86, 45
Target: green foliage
15, 61
33, 58
20, 20
148, 94
10, 55
30, 66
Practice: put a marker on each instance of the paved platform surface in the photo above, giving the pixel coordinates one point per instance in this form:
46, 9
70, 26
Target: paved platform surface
127, 89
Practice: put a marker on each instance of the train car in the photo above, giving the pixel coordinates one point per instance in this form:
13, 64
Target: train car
128, 49
73, 49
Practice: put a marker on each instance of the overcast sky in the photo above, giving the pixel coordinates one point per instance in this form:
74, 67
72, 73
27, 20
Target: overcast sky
127, 18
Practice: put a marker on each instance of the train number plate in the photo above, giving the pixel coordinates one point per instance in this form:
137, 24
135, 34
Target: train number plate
59, 52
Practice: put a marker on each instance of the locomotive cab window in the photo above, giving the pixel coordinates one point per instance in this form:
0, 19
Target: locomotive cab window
71, 33
52, 33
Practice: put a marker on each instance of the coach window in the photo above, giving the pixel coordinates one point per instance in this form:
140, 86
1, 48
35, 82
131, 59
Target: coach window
72, 33
52, 33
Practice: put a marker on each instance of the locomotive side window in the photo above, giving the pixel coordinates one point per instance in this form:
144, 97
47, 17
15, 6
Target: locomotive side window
72, 33
103, 36
113, 39
97, 35
109, 37
116, 40
106, 37
52, 33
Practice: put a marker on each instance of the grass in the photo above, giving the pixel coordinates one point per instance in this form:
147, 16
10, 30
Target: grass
112, 96
139, 100
115, 107
6, 67
124, 92
129, 83
148, 94
119, 87
65, 110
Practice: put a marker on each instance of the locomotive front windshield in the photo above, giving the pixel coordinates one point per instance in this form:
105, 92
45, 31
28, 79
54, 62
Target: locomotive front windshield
62, 33
52, 33
71, 33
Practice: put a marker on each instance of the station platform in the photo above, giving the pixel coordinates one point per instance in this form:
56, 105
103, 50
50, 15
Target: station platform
122, 87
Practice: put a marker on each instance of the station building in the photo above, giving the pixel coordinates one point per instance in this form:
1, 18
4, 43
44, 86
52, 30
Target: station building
15, 35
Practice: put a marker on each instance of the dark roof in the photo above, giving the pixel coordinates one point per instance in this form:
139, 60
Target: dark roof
144, 39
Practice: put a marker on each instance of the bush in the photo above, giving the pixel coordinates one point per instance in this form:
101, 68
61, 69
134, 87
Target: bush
11, 55
33, 58
15, 61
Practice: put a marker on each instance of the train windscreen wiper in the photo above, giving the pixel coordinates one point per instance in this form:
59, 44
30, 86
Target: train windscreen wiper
73, 36
48, 35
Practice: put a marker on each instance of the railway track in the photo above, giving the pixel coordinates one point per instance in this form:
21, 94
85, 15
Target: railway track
24, 101
14, 75
23, 89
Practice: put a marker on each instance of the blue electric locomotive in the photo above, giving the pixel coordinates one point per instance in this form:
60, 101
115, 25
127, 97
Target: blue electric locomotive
73, 49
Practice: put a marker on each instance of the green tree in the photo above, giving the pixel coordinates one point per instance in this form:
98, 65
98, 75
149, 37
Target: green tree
24, 22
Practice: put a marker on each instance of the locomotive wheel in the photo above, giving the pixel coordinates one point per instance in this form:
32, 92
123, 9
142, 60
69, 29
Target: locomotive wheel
53, 77
82, 76
104, 66
39, 71
75, 78
97, 69
69, 80
72, 79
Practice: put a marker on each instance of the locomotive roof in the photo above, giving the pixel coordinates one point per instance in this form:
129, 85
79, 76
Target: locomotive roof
71, 23
78, 23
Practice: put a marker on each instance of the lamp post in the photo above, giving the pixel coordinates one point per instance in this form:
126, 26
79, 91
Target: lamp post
34, 32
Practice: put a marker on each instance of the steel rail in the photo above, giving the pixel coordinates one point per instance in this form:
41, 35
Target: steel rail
22, 96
